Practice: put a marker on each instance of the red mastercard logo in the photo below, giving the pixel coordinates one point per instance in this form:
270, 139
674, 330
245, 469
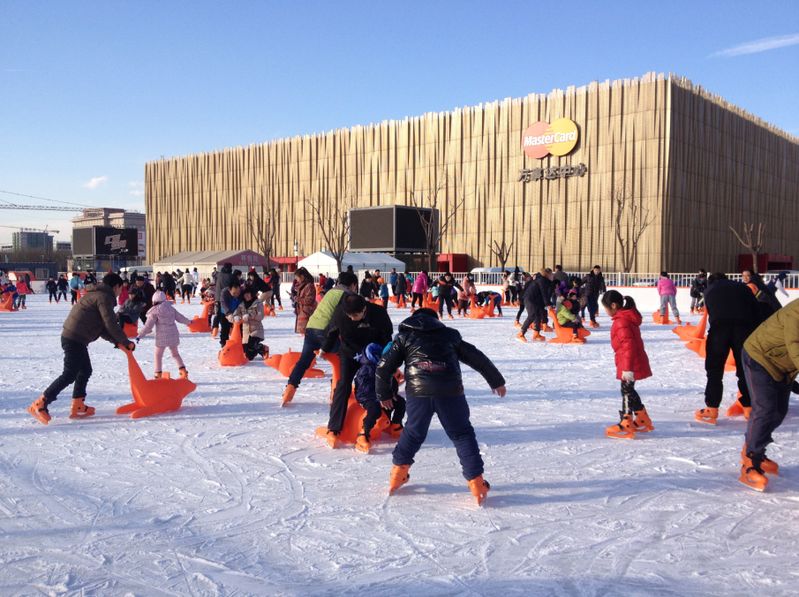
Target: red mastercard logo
543, 138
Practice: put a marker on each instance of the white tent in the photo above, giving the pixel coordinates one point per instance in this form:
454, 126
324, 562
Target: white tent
322, 262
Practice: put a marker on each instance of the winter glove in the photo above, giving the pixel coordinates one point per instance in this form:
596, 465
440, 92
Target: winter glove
627, 376
236, 319
245, 317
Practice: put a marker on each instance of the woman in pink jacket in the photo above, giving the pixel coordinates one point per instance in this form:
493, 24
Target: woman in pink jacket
162, 316
668, 296
419, 288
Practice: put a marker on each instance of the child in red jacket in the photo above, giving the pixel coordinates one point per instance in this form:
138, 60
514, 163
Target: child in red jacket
632, 364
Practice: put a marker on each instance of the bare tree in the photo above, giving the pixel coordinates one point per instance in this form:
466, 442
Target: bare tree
435, 218
261, 227
333, 222
753, 243
501, 251
631, 221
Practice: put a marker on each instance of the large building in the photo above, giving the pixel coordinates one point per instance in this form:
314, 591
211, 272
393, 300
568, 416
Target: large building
543, 172
108, 238
32, 241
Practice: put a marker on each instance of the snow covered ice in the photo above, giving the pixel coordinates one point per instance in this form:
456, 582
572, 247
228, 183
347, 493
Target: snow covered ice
232, 495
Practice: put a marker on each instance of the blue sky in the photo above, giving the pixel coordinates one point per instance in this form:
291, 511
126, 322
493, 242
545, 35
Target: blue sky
90, 91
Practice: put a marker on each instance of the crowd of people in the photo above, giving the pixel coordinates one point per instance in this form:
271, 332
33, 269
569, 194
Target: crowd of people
349, 317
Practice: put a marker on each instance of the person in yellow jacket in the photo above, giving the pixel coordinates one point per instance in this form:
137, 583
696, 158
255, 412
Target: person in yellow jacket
771, 362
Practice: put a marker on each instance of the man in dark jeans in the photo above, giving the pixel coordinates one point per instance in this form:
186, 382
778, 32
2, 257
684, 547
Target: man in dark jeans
355, 324
771, 363
593, 286
90, 318
315, 331
733, 314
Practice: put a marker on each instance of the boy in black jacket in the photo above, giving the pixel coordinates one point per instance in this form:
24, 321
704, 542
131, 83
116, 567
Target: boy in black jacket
432, 354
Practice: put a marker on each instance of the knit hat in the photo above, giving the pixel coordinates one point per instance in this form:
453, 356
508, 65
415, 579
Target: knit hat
158, 297
373, 352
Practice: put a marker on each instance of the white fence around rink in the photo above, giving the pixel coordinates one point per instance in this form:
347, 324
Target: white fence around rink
612, 279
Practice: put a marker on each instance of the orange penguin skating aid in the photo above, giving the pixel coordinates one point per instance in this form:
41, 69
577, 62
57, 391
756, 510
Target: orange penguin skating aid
153, 396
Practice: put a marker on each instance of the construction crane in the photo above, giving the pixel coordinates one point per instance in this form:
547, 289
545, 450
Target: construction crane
39, 207
23, 229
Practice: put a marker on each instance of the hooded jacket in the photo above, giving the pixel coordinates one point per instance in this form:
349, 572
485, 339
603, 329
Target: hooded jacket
626, 341
731, 302
432, 354
254, 325
223, 279
163, 317
93, 317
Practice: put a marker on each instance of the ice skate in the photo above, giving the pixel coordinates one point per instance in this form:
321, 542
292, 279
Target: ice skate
679, 321
479, 488
362, 443
623, 429
214, 332
520, 337
79, 409
594, 324
38, 409
577, 340
546, 328
183, 372
736, 409
332, 440
767, 465
537, 337
753, 478
708, 415
157, 375
516, 324
641, 422
395, 430
288, 394
398, 477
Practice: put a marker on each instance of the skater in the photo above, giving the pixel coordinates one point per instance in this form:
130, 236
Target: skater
274, 282
251, 313
305, 300
526, 280
447, 287
143, 291
432, 353
488, 297
75, 286
593, 285
52, 289
668, 296
402, 288
698, 287
733, 313
90, 318
383, 292
23, 290
63, 286
419, 289
366, 396
315, 330
567, 318
770, 362
355, 324
537, 298
632, 364
186, 287
163, 316
227, 304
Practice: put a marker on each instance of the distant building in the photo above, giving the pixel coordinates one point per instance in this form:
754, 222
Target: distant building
63, 245
108, 238
29, 240
6, 249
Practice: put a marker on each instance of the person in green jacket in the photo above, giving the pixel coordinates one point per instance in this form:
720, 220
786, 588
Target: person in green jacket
316, 330
92, 317
567, 318
771, 362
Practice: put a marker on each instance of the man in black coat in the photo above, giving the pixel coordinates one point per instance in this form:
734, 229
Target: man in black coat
733, 313
593, 286
356, 323
143, 292
537, 297
432, 353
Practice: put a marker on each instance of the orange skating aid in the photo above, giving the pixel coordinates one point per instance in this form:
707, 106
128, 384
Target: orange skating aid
7, 302
566, 335
232, 354
661, 319
153, 396
284, 363
199, 324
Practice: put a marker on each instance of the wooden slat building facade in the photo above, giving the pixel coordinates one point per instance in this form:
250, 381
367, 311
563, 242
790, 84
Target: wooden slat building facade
695, 163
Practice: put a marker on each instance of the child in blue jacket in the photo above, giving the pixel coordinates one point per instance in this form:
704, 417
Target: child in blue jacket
366, 396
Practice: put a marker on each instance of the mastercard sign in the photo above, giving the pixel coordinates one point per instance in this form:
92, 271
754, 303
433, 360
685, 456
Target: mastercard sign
543, 138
